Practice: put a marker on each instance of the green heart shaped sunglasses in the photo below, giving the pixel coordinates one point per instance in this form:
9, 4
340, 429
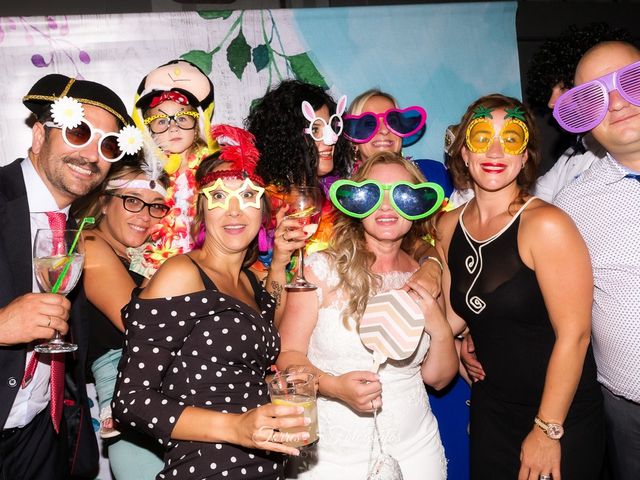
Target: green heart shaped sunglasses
412, 201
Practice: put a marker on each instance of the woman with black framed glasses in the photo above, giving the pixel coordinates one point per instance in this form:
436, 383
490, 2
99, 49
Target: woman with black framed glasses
126, 209
134, 204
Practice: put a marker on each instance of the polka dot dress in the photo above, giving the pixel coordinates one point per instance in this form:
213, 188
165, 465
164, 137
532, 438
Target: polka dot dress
204, 349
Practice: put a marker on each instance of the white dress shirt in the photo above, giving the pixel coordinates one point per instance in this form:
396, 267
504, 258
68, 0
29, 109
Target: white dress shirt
566, 169
34, 398
605, 203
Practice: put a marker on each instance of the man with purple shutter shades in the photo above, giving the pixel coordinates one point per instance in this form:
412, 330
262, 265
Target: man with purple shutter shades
606, 101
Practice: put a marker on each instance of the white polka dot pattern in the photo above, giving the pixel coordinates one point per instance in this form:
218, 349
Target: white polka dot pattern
194, 350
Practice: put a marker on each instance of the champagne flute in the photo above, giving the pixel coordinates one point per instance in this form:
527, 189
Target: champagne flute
305, 205
58, 267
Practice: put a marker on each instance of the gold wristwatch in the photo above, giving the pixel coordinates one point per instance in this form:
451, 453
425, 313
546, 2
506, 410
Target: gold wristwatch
554, 431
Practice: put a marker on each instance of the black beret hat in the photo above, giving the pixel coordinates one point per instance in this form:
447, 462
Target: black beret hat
54, 86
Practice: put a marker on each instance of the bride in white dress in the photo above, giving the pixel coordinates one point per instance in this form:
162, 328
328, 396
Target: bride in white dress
319, 330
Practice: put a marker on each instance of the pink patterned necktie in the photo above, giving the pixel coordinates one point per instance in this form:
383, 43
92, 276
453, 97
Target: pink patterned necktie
57, 223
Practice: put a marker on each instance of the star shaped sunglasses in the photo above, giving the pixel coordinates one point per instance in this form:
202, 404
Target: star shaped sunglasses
219, 195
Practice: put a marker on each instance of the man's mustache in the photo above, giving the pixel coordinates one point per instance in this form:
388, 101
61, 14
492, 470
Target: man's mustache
82, 163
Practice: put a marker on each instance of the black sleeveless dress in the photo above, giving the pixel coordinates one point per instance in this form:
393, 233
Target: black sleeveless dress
499, 298
204, 349
103, 335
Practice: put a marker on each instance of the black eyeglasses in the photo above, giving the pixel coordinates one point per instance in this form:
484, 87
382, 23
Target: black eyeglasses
134, 205
161, 122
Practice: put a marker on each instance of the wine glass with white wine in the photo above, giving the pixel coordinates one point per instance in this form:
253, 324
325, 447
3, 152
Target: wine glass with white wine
305, 205
58, 267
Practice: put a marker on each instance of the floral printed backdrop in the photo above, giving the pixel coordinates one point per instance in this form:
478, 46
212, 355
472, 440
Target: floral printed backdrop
439, 56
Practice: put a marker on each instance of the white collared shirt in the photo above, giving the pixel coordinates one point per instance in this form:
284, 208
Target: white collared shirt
34, 398
566, 170
605, 205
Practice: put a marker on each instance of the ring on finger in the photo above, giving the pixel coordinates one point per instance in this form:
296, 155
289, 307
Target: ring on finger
545, 477
418, 297
49, 324
272, 437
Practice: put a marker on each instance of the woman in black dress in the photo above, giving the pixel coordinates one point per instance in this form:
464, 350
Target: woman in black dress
518, 275
200, 340
126, 209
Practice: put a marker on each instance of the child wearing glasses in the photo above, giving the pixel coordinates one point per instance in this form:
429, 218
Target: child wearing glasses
126, 209
174, 108
384, 209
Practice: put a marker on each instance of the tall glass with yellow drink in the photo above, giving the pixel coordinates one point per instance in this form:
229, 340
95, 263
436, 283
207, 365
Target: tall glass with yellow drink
297, 389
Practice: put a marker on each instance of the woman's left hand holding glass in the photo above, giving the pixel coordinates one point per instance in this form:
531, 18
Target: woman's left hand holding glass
539, 455
260, 428
288, 238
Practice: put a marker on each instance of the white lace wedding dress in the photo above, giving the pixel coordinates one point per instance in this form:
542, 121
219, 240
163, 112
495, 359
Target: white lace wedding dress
408, 429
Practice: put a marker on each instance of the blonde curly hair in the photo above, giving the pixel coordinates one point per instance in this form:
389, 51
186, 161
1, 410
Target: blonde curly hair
348, 251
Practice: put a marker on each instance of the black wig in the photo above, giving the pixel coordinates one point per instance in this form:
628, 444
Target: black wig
289, 156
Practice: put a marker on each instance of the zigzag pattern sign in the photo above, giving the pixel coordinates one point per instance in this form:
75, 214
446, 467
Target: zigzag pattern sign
391, 326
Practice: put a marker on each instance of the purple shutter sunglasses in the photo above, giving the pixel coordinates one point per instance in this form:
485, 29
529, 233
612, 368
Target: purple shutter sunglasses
583, 107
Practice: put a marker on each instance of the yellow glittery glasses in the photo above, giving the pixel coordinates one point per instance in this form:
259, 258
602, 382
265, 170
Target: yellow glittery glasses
513, 136
219, 195
160, 123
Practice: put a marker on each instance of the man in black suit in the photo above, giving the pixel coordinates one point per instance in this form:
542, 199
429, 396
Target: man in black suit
70, 154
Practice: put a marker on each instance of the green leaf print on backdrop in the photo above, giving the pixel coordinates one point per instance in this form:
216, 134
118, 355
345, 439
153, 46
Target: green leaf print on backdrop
305, 71
200, 58
238, 54
213, 14
260, 57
